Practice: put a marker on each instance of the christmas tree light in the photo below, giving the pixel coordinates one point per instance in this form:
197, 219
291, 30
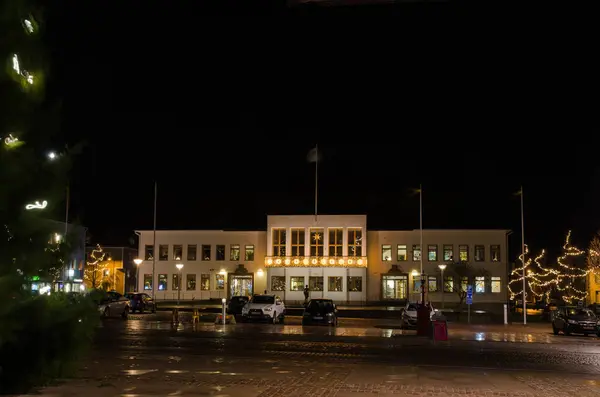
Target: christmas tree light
571, 275
94, 268
539, 280
593, 256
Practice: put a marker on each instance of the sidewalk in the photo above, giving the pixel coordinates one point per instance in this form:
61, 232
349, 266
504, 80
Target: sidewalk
256, 377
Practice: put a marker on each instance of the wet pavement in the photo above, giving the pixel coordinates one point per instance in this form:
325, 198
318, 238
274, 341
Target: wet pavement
359, 358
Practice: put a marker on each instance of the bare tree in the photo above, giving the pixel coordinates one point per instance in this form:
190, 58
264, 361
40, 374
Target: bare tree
460, 274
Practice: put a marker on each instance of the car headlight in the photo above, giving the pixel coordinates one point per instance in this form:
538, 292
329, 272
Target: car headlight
329, 314
572, 321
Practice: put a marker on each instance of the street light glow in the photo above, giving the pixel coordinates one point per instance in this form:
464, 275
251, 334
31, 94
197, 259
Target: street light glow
442, 267
52, 155
179, 266
137, 261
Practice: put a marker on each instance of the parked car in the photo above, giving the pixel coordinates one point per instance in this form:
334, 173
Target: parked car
114, 304
320, 311
409, 315
236, 304
575, 320
141, 302
264, 307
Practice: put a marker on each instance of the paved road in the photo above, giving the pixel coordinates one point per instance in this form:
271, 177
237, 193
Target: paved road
360, 358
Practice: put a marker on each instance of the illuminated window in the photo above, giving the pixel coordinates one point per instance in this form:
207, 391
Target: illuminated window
176, 281
249, 253
354, 242
496, 285
448, 284
147, 282
336, 242
479, 285
386, 252
416, 250
402, 253
279, 237
495, 253
432, 284
277, 283
205, 252
162, 282
463, 253
355, 284
220, 281
220, 256
234, 252
205, 282
316, 242
416, 283
335, 284
448, 253
177, 252
191, 252
297, 242
432, 252
190, 282
163, 252
479, 253
464, 283
149, 252
315, 283
297, 283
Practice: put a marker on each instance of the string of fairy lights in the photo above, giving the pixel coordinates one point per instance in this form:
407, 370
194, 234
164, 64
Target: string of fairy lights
27, 79
541, 281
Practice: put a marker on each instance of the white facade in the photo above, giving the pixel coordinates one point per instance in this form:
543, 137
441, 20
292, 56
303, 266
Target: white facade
333, 255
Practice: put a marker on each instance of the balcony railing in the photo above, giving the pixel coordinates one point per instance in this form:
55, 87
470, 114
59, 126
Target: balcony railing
315, 261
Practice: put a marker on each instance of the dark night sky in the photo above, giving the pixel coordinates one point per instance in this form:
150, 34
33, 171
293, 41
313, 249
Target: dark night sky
223, 116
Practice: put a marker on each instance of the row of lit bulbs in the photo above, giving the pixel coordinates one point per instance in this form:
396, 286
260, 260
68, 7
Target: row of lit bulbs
315, 261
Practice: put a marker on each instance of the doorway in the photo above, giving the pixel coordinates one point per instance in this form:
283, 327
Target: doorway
394, 287
241, 285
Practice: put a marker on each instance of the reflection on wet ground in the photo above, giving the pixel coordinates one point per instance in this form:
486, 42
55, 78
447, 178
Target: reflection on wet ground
540, 333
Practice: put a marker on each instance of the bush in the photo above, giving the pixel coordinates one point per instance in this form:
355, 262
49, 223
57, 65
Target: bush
42, 338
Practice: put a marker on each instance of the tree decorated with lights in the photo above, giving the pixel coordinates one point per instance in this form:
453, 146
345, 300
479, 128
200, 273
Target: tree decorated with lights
95, 267
50, 330
539, 280
571, 280
593, 255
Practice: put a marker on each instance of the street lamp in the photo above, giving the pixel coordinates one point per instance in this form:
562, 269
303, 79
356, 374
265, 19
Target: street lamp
137, 262
179, 266
442, 268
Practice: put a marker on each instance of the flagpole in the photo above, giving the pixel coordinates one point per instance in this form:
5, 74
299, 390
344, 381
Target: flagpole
523, 262
154, 250
316, 180
421, 228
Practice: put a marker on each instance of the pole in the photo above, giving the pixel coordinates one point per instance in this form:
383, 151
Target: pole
523, 252
316, 180
224, 314
71, 266
443, 288
137, 278
178, 288
423, 283
154, 250
469, 314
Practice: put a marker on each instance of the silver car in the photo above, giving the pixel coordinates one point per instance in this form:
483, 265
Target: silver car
114, 305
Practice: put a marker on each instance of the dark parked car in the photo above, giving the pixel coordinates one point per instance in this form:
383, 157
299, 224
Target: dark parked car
576, 320
320, 311
140, 302
236, 303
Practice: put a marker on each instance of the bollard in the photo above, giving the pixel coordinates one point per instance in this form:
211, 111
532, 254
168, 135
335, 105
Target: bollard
175, 317
505, 314
223, 301
196, 316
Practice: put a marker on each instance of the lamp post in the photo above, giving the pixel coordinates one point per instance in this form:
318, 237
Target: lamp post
442, 268
179, 266
137, 262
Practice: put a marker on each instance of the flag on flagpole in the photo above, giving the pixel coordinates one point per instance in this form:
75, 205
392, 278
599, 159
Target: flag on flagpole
313, 155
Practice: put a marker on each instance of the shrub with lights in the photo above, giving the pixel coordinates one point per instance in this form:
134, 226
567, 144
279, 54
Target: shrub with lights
40, 334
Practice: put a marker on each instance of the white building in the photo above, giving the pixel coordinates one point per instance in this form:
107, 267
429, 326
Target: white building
333, 254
